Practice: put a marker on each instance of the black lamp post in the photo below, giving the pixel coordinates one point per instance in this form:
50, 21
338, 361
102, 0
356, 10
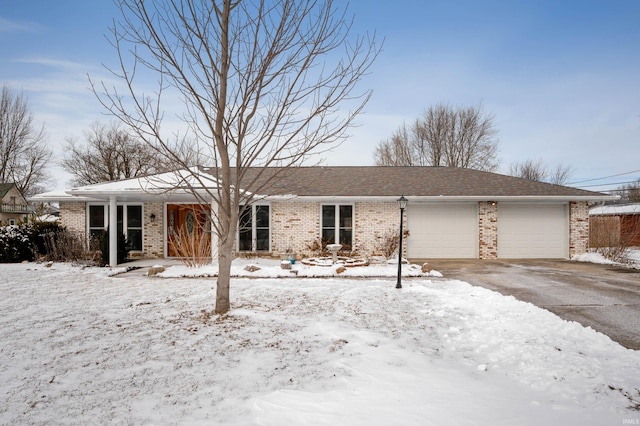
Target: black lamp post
402, 203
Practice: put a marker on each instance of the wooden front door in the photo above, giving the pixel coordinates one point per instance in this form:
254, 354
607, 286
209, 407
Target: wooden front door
188, 230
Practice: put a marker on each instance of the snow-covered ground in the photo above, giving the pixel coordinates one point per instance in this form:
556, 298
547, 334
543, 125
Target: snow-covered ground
80, 347
594, 257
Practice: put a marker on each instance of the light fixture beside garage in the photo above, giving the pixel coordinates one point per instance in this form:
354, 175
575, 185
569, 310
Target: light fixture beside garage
402, 203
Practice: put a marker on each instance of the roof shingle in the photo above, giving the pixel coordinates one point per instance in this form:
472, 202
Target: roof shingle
416, 181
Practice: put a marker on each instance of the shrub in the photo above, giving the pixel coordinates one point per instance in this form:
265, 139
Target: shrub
65, 246
43, 233
194, 250
42, 241
16, 243
387, 243
123, 248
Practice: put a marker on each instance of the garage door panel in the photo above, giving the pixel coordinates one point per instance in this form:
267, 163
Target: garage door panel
442, 231
532, 231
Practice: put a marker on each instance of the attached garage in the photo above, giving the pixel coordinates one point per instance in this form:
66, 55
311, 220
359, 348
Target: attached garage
442, 231
533, 231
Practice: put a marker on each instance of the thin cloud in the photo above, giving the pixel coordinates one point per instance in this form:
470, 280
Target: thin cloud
53, 63
7, 26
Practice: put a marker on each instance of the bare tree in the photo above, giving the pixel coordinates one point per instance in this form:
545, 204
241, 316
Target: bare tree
396, 151
443, 136
536, 170
262, 83
529, 169
23, 152
111, 153
629, 193
560, 175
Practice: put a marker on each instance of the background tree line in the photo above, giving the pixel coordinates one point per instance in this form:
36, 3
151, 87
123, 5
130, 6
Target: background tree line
442, 136
24, 154
458, 137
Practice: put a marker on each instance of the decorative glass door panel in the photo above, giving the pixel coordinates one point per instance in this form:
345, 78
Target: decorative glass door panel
188, 230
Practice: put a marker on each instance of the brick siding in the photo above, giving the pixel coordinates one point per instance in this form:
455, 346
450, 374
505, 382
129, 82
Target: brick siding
375, 223
73, 216
153, 232
295, 227
488, 229
578, 228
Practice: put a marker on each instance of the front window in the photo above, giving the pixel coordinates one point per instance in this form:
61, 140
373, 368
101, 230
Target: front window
337, 225
134, 227
129, 223
254, 228
97, 224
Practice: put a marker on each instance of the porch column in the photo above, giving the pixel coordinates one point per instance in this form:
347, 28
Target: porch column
113, 232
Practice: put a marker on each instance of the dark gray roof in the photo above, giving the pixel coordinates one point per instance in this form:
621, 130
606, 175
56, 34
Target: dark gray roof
373, 181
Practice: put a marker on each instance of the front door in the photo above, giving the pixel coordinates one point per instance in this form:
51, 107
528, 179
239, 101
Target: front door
188, 230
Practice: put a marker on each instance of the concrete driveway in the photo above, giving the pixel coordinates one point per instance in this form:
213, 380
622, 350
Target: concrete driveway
603, 297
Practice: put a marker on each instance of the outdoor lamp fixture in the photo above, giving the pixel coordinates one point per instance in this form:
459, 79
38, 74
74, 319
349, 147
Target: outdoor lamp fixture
402, 203
152, 216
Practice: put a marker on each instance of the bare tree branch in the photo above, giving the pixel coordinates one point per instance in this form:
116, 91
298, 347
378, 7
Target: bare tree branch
23, 152
262, 84
536, 170
110, 153
464, 137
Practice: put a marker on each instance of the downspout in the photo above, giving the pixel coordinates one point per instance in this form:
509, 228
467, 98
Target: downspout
113, 232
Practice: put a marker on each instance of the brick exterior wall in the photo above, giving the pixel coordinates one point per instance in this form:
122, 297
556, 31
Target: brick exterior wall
578, 228
295, 227
375, 223
488, 229
73, 216
153, 232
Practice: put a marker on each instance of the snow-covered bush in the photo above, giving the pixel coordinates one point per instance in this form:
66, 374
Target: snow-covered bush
39, 240
16, 243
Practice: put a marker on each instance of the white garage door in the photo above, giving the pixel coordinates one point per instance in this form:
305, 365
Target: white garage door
533, 231
442, 231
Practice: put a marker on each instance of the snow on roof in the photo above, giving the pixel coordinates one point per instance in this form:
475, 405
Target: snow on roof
58, 195
615, 209
163, 182
175, 182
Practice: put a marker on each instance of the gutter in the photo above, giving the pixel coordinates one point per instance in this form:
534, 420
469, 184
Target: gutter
426, 199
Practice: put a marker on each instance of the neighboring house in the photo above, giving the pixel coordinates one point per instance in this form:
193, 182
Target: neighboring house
14, 208
614, 225
452, 212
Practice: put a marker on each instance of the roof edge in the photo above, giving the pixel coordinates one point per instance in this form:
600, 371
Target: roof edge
432, 198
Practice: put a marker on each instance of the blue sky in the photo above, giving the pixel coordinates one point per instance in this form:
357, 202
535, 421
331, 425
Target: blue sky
562, 78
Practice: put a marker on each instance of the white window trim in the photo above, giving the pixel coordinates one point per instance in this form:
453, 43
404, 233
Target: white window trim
254, 229
337, 220
105, 205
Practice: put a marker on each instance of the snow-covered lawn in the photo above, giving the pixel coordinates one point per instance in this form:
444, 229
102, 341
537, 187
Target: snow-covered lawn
79, 347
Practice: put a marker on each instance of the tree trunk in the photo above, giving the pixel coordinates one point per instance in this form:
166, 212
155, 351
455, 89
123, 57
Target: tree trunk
247, 73
224, 278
